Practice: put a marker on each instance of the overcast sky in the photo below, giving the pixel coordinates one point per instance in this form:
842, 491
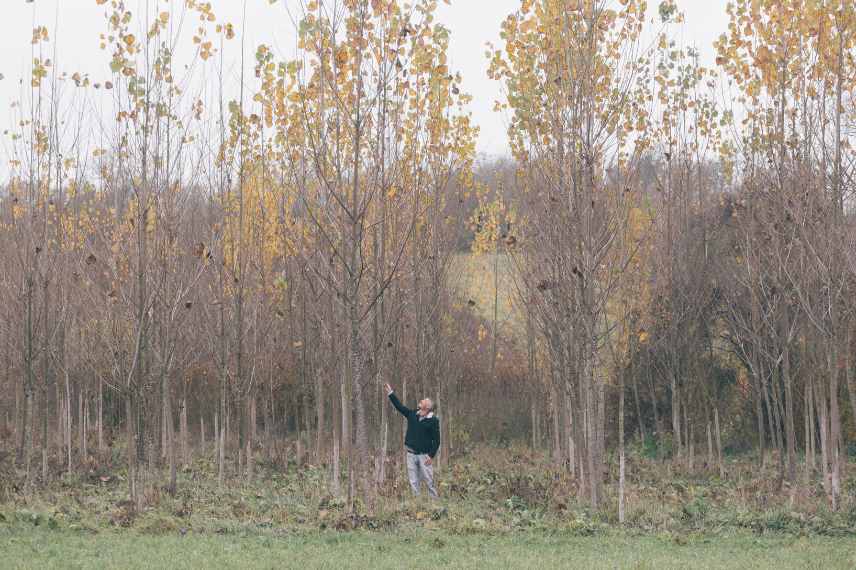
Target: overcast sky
473, 23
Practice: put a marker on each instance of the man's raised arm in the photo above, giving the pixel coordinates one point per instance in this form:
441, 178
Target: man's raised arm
402, 409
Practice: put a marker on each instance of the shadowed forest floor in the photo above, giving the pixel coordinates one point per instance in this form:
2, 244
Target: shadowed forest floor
500, 507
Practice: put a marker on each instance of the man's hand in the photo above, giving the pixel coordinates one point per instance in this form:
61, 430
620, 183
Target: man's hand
428, 460
389, 389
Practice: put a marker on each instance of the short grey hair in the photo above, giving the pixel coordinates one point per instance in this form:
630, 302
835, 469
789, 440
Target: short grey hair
430, 404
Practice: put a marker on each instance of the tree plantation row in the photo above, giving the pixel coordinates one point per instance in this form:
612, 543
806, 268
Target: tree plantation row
667, 257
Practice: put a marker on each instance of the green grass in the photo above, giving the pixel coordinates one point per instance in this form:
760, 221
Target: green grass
38, 547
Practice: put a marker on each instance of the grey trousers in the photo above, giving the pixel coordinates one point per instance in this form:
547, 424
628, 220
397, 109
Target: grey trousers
418, 471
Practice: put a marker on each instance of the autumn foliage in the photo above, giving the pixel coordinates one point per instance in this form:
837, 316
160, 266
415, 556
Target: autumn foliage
198, 264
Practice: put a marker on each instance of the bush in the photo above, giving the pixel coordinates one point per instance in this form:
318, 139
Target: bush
157, 524
650, 448
695, 511
583, 525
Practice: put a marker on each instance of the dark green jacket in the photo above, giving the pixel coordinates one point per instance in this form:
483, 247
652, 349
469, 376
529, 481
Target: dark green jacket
423, 434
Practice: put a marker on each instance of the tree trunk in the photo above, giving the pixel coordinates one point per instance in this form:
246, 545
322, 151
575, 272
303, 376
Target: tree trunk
130, 428
81, 427
168, 431
823, 419
709, 444
759, 415
46, 378
809, 456
569, 435
101, 449
320, 424
834, 424
686, 437
67, 418
20, 417
718, 442
22, 455
658, 429
185, 433
638, 407
790, 431
222, 454
676, 415
621, 466
251, 435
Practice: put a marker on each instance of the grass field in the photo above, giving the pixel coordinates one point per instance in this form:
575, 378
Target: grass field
33, 547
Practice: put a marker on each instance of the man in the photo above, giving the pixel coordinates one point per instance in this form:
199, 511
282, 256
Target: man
421, 441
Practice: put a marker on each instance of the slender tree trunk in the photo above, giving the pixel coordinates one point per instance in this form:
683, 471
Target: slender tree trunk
834, 424
676, 414
709, 444
85, 423
222, 454
320, 425
812, 409
657, 427
621, 461
686, 437
67, 406
46, 379
345, 413
554, 406
269, 418
81, 433
809, 457
534, 419
773, 420
220, 418
759, 416
130, 427
185, 447
691, 460
168, 431
790, 431
718, 442
25, 434
638, 407
339, 407
251, 435
101, 448
216, 435
823, 419
20, 417
569, 430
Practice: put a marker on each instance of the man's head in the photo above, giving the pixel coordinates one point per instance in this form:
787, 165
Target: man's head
426, 406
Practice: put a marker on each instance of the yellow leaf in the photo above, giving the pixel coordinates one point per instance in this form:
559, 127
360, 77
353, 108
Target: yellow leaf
342, 56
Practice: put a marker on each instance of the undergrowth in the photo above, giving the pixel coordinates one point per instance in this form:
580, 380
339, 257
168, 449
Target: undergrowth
488, 491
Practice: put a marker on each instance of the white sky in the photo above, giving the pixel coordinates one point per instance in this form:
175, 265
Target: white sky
473, 23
